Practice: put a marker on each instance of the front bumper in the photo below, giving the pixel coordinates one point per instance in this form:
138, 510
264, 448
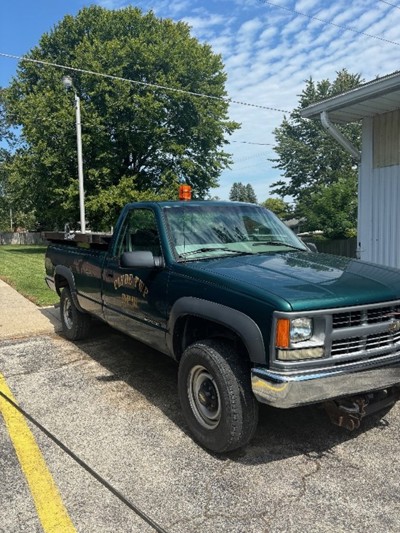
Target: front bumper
284, 391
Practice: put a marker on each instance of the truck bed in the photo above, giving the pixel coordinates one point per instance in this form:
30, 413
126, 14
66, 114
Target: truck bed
84, 240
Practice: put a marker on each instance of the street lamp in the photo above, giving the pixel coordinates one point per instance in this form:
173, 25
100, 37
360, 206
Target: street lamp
68, 84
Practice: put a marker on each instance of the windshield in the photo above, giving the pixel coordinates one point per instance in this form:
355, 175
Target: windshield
212, 230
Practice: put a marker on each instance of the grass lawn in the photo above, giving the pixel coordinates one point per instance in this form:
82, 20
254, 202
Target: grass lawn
22, 267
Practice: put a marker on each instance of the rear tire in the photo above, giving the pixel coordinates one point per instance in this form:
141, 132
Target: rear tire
75, 324
216, 397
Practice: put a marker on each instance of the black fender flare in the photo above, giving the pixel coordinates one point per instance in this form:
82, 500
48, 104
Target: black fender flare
236, 321
66, 273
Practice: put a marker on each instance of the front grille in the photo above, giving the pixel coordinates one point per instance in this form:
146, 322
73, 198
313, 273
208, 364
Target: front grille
374, 315
346, 320
352, 346
363, 334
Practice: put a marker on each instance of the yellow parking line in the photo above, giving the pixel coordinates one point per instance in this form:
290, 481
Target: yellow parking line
50, 508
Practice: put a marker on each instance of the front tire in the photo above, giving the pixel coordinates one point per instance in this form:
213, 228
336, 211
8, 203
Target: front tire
216, 397
75, 324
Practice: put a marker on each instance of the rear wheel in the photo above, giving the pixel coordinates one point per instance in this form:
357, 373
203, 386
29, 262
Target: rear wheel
216, 396
75, 324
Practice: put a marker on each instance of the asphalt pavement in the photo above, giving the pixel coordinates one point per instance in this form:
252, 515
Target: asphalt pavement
105, 417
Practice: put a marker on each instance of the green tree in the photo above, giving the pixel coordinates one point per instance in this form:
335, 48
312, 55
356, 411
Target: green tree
278, 206
237, 192
250, 194
6, 141
334, 209
5, 204
139, 142
242, 193
310, 160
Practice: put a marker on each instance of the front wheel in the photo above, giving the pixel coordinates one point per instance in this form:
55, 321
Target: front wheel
216, 396
75, 324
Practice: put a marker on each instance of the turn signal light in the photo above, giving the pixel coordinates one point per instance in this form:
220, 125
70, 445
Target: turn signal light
282, 337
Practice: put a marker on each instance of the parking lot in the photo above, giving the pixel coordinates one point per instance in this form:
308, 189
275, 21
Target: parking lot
111, 404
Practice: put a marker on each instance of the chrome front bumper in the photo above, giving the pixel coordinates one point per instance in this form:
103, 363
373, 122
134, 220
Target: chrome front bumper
284, 391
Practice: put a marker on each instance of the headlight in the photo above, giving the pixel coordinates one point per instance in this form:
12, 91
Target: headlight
301, 329
291, 336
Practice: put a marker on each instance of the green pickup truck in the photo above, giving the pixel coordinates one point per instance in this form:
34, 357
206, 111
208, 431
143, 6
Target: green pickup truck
246, 309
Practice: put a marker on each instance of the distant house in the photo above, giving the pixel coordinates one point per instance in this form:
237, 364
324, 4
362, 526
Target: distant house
377, 105
295, 224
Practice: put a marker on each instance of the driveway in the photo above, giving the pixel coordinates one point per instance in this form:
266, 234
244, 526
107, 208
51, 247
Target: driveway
111, 403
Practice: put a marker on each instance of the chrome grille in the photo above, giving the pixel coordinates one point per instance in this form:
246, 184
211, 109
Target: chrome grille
352, 346
374, 315
364, 334
346, 320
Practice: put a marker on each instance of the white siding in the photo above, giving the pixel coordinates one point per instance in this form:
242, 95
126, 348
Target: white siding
386, 135
379, 197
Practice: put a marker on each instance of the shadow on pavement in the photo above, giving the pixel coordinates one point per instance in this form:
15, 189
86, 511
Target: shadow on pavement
281, 433
52, 313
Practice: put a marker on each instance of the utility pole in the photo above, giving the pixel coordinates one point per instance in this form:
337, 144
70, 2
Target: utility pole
68, 84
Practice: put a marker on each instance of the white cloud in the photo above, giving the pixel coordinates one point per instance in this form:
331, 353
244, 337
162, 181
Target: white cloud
249, 28
204, 25
112, 4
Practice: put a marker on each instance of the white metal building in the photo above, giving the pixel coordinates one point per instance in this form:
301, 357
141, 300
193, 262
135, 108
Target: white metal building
377, 105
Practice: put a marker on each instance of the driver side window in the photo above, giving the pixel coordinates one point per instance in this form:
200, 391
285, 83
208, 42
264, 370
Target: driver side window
139, 233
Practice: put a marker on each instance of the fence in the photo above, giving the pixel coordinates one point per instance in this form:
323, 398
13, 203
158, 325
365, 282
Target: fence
26, 237
345, 247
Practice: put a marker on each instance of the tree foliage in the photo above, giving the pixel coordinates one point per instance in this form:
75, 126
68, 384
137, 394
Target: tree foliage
334, 209
312, 162
242, 193
6, 140
138, 142
278, 206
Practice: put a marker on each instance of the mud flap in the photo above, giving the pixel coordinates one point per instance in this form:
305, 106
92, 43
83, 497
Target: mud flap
349, 411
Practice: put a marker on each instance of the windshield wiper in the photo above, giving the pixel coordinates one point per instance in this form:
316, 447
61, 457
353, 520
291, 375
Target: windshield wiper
277, 243
211, 249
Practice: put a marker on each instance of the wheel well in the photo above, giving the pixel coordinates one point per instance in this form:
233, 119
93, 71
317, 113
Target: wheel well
189, 329
60, 282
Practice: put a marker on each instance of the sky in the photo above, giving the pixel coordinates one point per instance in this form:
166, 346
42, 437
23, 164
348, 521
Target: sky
269, 50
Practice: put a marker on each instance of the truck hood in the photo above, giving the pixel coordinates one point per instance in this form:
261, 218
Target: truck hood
304, 280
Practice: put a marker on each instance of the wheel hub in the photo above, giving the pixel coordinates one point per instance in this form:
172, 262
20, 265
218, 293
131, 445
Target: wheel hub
67, 312
208, 395
204, 397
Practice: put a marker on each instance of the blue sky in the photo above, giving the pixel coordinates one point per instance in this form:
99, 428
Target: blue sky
268, 52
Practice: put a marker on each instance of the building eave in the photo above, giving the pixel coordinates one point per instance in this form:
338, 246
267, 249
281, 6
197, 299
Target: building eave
376, 97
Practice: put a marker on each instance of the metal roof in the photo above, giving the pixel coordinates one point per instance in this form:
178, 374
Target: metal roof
373, 98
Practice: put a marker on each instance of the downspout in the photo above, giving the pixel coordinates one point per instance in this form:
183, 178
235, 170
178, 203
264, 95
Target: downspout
348, 146
341, 139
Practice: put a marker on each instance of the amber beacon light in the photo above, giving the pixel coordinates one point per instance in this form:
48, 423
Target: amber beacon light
185, 192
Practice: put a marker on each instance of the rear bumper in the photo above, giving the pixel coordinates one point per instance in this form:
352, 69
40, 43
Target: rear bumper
284, 391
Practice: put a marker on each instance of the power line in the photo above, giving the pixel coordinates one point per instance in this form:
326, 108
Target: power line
311, 17
145, 84
259, 154
250, 142
389, 4
101, 127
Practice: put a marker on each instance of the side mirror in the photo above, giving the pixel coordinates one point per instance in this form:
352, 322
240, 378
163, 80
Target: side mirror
142, 259
312, 247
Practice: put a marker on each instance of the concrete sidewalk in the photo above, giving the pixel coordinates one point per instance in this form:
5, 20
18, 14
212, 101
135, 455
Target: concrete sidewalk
21, 318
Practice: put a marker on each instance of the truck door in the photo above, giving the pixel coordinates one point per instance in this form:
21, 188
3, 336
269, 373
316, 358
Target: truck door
135, 299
